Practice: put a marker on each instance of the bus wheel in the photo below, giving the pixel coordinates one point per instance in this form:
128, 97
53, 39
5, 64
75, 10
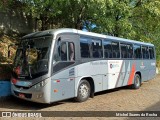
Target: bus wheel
84, 90
137, 82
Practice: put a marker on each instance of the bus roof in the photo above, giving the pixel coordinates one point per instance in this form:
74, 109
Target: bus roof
55, 32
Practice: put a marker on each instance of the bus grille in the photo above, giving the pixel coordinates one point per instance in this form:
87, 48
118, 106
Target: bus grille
21, 87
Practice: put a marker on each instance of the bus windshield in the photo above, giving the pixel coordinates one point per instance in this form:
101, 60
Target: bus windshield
32, 58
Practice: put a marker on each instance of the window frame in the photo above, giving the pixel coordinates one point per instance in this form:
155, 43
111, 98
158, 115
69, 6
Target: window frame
59, 50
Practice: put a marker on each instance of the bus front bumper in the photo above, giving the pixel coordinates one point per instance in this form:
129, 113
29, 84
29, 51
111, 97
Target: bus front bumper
34, 93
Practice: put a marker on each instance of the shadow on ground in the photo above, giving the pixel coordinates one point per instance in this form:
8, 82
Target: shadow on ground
113, 90
19, 104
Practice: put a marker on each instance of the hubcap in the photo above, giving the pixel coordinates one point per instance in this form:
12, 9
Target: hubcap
137, 81
84, 90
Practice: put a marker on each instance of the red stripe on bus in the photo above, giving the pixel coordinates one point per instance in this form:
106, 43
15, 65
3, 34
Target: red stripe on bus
131, 77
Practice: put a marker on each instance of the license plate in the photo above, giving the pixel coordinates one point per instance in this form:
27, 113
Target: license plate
21, 95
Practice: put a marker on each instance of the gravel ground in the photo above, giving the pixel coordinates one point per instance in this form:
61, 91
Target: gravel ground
147, 98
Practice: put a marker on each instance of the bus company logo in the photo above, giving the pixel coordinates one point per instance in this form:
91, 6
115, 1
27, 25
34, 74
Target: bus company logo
21, 88
114, 66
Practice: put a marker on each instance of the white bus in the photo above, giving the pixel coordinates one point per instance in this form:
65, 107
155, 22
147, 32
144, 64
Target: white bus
59, 64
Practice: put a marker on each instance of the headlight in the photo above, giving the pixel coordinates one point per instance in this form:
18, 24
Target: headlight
41, 84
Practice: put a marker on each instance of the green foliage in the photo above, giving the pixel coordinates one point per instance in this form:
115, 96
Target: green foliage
133, 19
2, 58
146, 23
115, 18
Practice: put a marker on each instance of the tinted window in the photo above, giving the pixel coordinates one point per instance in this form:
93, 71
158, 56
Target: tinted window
66, 51
63, 52
115, 50
145, 53
107, 49
137, 51
151, 53
96, 49
71, 51
123, 51
84, 48
129, 51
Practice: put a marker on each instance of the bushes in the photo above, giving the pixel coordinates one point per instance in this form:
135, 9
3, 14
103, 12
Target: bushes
2, 58
1, 32
5, 62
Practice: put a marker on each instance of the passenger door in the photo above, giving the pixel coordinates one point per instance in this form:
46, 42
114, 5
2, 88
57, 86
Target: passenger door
63, 79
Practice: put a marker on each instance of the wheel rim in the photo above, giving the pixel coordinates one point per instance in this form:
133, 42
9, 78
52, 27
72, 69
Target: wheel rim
137, 81
84, 90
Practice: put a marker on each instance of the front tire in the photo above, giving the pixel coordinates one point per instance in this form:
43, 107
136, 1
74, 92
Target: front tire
83, 91
137, 82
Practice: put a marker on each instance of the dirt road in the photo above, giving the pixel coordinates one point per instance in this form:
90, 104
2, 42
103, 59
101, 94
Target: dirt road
147, 98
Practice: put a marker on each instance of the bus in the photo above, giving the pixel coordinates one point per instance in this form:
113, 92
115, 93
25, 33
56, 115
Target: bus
59, 64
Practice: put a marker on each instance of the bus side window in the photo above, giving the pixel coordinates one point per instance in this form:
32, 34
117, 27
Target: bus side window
137, 51
96, 49
67, 51
151, 53
84, 48
115, 50
107, 49
63, 51
129, 51
123, 51
145, 53
71, 51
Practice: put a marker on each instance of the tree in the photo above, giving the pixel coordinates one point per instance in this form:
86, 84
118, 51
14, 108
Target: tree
113, 18
145, 21
62, 13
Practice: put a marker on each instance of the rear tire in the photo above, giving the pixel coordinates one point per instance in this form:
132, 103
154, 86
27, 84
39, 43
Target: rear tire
137, 82
83, 91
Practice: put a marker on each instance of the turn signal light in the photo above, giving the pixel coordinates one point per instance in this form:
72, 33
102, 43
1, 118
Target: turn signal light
55, 90
13, 80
